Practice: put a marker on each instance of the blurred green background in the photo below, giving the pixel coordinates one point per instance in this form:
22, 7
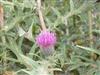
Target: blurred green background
77, 27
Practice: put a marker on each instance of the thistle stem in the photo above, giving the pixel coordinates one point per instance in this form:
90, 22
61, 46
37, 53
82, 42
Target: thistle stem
43, 26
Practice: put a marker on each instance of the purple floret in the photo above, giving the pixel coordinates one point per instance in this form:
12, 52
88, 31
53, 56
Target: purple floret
46, 39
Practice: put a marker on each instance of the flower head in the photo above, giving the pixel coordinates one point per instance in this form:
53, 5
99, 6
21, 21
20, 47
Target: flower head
46, 39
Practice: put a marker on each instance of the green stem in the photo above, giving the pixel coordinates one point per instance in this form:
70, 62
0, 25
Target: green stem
90, 28
93, 56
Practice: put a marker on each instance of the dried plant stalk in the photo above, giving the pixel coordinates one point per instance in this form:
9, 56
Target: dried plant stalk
93, 55
1, 16
43, 26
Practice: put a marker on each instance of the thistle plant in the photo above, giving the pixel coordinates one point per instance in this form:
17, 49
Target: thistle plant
76, 23
46, 39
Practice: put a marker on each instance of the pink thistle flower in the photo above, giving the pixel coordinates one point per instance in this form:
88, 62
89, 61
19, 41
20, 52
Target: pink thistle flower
46, 39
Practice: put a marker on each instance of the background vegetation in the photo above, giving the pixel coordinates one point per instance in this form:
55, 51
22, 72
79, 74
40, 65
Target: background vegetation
77, 27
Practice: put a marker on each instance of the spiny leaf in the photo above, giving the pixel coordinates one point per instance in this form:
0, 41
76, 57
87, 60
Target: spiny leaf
89, 49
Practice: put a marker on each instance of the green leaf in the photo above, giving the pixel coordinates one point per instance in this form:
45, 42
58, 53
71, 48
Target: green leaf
21, 32
29, 35
14, 22
97, 73
89, 49
56, 11
96, 31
